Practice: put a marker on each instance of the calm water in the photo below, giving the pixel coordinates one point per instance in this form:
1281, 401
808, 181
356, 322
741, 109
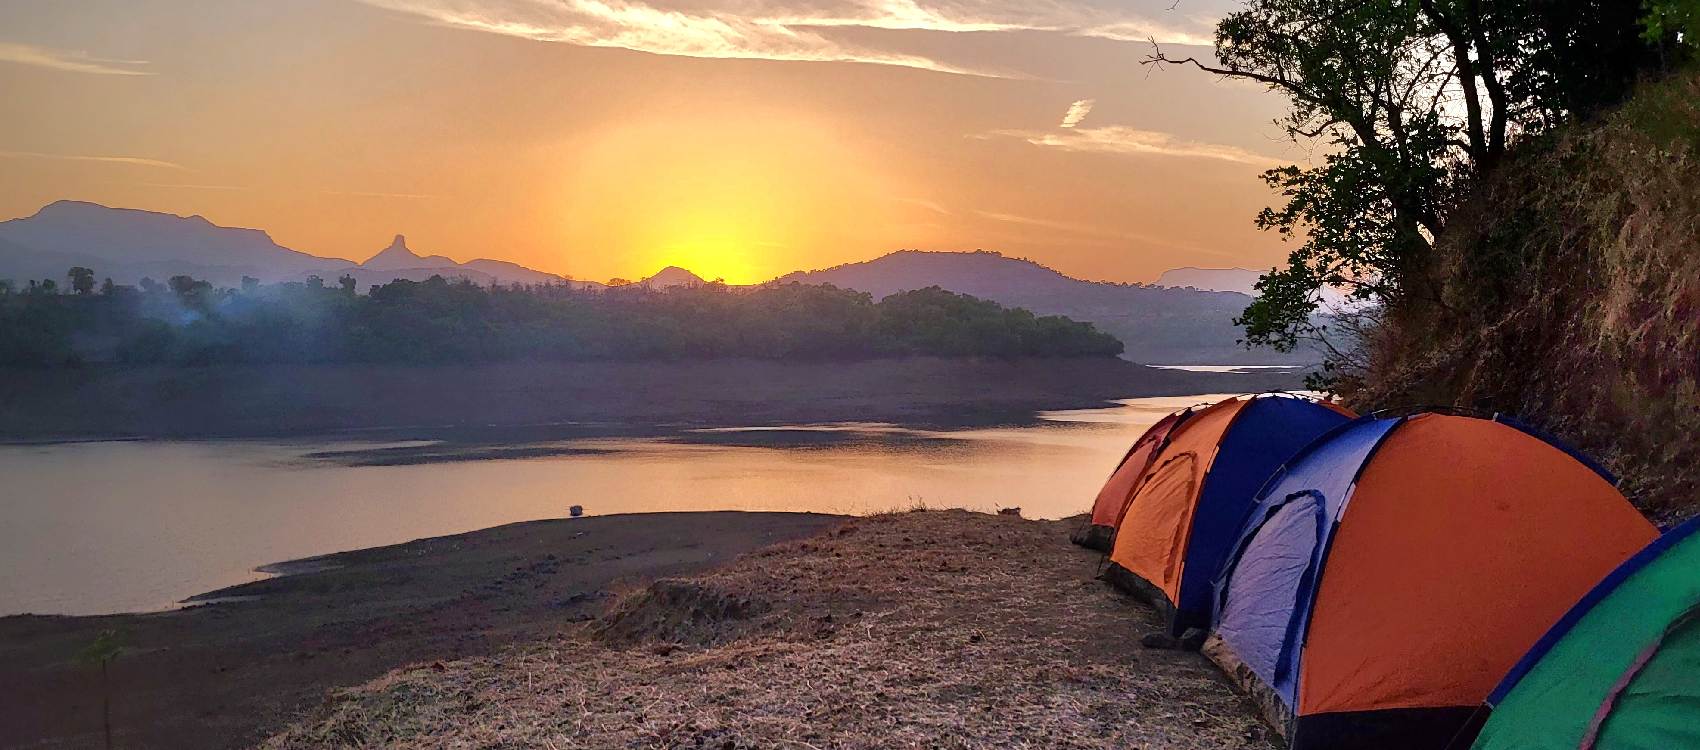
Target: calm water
126, 526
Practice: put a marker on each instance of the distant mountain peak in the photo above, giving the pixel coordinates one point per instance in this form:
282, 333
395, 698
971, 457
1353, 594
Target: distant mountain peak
129, 243
672, 276
399, 255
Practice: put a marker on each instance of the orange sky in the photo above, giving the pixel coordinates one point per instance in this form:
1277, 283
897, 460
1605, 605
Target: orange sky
599, 138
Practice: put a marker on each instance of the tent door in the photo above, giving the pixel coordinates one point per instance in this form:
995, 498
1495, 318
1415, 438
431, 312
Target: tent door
1261, 597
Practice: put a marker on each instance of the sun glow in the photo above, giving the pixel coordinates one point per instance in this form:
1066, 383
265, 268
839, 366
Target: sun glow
726, 198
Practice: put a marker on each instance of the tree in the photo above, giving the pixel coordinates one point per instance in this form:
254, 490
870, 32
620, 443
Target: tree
192, 292
347, 283
1410, 100
250, 285
102, 651
82, 280
107, 287
1673, 18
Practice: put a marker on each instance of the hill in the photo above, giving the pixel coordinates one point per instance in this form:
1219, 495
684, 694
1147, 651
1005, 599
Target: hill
1240, 280
398, 261
1567, 293
1158, 325
127, 244
672, 276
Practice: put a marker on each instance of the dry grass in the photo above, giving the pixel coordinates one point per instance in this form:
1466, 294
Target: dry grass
1571, 283
939, 629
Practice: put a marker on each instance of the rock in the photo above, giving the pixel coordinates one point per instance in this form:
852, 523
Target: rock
1193, 639
1159, 640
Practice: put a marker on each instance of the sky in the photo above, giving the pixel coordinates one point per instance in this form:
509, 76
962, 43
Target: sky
742, 139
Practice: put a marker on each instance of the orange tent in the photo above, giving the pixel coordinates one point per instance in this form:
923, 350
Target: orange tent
1112, 500
1394, 571
1188, 508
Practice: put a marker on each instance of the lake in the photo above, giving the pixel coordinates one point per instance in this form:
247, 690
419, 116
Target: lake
104, 527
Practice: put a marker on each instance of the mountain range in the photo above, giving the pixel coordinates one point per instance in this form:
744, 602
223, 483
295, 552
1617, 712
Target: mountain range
1186, 318
127, 244
1158, 324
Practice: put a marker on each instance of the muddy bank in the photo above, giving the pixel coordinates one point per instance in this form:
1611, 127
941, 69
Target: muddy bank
226, 674
941, 629
562, 400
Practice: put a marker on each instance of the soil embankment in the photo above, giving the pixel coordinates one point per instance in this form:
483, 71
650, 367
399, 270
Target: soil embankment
226, 674
1565, 292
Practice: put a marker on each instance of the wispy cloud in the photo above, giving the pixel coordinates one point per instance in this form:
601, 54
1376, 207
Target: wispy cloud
797, 30
69, 61
129, 160
193, 186
373, 194
932, 206
1052, 224
1077, 112
1116, 139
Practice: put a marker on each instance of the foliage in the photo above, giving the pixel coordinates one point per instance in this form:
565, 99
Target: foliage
102, 650
1668, 19
1569, 284
1409, 101
188, 321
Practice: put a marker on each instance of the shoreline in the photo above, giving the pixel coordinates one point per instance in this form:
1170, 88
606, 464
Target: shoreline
239, 662
496, 402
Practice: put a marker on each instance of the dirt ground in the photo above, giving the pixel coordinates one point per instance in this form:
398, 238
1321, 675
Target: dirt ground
934, 629
228, 674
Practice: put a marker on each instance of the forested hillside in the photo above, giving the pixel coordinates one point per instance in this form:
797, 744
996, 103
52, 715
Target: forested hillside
1159, 325
188, 321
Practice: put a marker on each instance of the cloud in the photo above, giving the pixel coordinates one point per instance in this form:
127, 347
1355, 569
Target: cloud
130, 160
69, 61
932, 206
797, 30
1061, 226
1077, 112
373, 194
1117, 139
193, 186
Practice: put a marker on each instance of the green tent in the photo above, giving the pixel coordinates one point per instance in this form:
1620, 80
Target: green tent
1621, 670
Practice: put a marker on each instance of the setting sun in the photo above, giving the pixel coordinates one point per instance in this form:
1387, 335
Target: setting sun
715, 193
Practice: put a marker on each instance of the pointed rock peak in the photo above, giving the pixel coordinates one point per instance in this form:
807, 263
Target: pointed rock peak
397, 255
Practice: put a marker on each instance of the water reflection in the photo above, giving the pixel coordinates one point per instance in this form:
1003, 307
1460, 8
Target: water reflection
105, 527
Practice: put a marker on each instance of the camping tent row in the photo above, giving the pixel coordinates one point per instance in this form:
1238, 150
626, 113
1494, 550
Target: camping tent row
1368, 581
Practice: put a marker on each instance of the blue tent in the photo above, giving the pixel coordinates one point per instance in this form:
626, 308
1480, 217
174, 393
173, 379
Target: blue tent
1184, 518
1393, 571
